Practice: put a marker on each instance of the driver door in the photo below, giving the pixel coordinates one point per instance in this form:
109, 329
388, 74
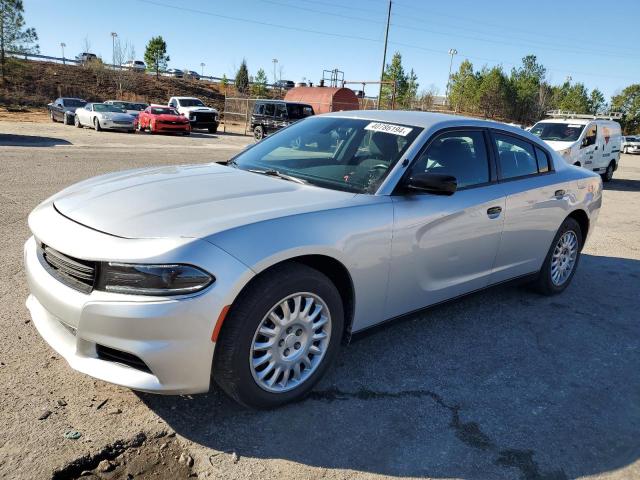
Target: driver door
445, 246
588, 147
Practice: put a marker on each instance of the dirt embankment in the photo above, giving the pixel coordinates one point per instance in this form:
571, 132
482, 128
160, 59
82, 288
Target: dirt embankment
35, 84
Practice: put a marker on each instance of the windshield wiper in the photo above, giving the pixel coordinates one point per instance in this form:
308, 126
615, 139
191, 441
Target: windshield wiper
276, 173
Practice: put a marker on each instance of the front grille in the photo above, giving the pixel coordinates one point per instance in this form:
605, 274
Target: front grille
73, 272
122, 122
118, 356
204, 117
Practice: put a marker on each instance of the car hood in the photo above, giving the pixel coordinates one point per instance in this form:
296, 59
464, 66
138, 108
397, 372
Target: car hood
558, 146
188, 201
198, 109
170, 118
117, 116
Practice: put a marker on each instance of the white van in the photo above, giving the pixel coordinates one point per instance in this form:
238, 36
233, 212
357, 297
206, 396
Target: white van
592, 142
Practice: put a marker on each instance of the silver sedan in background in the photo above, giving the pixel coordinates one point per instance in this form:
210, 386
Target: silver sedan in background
102, 116
255, 272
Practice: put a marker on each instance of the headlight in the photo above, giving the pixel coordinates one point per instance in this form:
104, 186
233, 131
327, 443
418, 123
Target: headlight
106, 116
566, 153
175, 279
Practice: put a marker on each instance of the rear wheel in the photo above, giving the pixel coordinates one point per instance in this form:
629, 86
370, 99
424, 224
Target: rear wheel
258, 133
280, 337
607, 176
562, 259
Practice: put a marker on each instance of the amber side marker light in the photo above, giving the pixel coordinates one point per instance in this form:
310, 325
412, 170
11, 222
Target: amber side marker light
218, 327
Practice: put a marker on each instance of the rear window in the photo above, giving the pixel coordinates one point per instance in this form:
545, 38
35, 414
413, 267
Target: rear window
516, 157
299, 111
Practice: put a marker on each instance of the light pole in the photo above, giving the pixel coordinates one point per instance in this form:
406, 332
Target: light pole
113, 41
452, 52
62, 45
202, 66
275, 61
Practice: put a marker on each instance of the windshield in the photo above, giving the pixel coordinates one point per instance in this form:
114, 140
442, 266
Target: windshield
560, 132
73, 102
164, 111
297, 111
191, 102
101, 107
338, 153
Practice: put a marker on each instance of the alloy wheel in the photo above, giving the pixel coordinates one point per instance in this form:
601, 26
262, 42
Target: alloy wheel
290, 342
564, 257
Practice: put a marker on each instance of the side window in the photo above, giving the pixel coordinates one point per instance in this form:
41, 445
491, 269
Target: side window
462, 154
269, 109
543, 160
516, 157
590, 137
260, 109
281, 110
173, 104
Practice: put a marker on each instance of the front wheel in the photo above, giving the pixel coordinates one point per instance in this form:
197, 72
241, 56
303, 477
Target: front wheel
607, 176
53, 119
96, 124
279, 337
213, 129
258, 133
76, 121
562, 259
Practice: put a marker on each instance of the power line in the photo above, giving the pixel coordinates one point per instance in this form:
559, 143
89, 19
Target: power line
338, 35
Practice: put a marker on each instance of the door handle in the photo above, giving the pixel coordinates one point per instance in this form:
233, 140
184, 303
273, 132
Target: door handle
494, 212
559, 194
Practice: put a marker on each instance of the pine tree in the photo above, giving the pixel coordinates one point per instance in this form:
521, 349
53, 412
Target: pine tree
394, 72
155, 55
242, 78
13, 36
259, 87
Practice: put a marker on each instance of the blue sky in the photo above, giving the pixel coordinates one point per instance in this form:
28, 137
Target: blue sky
589, 40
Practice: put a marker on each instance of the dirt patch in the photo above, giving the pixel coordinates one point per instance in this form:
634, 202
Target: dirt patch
161, 457
35, 115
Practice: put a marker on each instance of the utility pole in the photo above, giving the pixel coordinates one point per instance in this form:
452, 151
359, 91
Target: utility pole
113, 51
202, 66
275, 61
62, 45
452, 52
384, 54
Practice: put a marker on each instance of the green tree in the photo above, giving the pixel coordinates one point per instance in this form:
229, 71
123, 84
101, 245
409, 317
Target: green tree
628, 102
155, 55
13, 36
493, 93
526, 82
394, 72
259, 87
411, 93
242, 78
462, 88
597, 102
572, 98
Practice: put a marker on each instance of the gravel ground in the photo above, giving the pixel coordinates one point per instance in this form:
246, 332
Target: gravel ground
504, 384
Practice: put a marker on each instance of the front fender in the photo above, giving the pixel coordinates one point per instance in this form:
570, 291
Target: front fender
359, 237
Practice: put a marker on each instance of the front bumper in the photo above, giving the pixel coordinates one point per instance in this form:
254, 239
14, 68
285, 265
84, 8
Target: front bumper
111, 125
171, 335
633, 149
168, 127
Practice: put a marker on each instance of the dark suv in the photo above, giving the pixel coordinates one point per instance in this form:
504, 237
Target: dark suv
271, 115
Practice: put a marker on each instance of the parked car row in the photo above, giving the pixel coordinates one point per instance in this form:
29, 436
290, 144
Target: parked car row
181, 114
631, 144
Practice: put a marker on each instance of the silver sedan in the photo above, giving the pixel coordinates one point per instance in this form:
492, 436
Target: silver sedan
254, 272
104, 116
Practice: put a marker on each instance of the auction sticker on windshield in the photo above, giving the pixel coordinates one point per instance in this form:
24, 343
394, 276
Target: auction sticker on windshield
389, 128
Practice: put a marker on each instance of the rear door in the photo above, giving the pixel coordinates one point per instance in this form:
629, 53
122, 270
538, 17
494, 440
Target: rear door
445, 246
536, 205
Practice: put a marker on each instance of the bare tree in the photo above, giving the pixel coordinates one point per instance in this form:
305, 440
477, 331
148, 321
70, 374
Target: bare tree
124, 77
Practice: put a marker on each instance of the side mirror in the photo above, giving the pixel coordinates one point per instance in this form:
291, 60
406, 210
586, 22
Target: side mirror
435, 183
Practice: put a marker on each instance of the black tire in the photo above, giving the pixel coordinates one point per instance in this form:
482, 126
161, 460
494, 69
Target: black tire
96, 124
52, 116
231, 369
258, 133
186, 133
607, 176
138, 127
543, 283
213, 129
626, 150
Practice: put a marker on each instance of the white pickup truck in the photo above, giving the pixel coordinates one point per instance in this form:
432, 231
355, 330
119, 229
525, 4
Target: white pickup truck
197, 112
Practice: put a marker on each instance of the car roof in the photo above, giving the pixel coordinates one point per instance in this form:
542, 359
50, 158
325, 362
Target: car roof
186, 98
73, 98
421, 119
